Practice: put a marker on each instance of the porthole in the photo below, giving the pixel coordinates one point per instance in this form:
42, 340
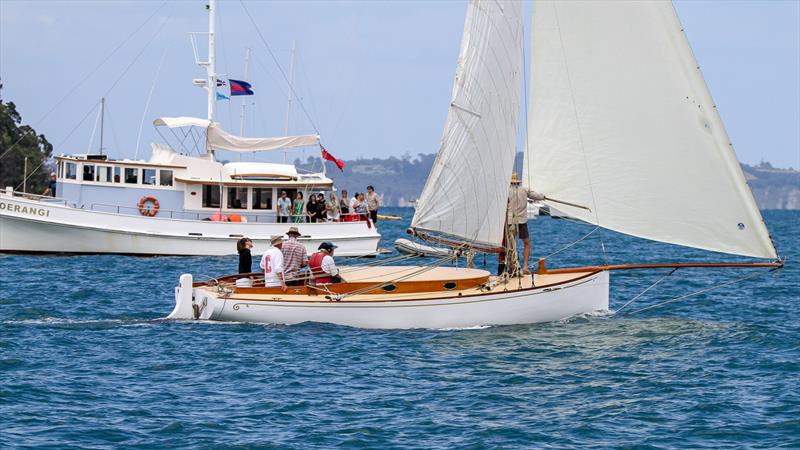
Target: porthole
450, 285
390, 288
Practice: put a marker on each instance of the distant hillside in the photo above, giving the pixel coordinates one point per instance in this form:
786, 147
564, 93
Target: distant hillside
400, 180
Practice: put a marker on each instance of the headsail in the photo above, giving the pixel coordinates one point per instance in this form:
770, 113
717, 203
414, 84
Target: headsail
622, 121
467, 190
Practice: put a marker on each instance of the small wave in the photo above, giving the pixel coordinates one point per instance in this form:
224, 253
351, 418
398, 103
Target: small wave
474, 327
66, 321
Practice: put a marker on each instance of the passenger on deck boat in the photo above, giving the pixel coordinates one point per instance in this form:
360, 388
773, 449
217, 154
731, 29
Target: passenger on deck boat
344, 205
299, 207
362, 209
243, 246
373, 203
321, 213
322, 266
311, 209
51, 186
284, 208
518, 216
295, 258
354, 203
272, 263
332, 208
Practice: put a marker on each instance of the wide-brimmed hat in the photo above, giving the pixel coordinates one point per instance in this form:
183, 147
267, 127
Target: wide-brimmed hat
329, 246
514, 178
275, 240
293, 230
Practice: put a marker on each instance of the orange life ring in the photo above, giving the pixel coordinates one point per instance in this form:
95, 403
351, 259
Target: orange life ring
148, 211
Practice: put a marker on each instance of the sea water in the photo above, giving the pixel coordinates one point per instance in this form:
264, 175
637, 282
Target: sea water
86, 360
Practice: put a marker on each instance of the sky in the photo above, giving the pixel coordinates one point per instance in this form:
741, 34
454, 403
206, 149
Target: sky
374, 77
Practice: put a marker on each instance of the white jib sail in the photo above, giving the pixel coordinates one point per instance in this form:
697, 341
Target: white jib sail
467, 190
621, 121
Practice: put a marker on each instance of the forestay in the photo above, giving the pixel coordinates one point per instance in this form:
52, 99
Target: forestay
219, 139
467, 190
622, 121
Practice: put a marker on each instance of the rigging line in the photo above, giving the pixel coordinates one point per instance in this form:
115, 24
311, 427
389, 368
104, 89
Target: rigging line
141, 52
421, 270
85, 78
572, 244
275, 60
692, 294
147, 103
44, 161
113, 130
664, 277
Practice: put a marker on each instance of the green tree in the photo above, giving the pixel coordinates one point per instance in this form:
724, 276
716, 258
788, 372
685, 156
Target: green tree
17, 142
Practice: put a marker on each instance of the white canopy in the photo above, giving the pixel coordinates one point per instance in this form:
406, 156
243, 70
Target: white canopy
621, 121
217, 138
467, 190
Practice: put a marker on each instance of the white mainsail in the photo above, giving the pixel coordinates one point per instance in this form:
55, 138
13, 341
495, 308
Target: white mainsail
467, 190
621, 121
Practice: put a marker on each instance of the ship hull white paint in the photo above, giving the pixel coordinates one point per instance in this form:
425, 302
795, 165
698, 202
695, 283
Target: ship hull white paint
37, 226
546, 304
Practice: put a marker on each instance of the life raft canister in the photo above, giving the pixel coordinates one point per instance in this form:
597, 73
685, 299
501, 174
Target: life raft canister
148, 211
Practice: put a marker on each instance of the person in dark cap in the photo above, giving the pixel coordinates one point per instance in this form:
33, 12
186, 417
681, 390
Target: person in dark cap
322, 266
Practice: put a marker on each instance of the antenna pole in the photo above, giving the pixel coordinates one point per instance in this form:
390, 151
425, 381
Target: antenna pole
102, 118
289, 99
244, 103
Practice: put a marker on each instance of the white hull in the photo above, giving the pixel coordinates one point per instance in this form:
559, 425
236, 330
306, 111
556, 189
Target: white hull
38, 226
546, 304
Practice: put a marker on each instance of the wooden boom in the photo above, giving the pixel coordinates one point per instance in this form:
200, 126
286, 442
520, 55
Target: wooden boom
544, 270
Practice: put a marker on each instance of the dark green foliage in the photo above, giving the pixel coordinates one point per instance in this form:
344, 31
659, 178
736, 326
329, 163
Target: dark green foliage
16, 142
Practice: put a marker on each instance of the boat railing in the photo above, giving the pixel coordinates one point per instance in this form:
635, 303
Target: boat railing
187, 215
36, 197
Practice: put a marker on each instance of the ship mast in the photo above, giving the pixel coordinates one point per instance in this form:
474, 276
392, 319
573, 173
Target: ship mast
211, 82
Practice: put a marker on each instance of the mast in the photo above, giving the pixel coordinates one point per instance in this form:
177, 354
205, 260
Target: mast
244, 103
102, 119
211, 83
289, 98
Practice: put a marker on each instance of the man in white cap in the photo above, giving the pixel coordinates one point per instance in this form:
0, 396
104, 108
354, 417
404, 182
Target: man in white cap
518, 216
272, 263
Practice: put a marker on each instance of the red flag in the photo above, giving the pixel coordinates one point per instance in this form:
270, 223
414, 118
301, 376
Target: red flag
325, 155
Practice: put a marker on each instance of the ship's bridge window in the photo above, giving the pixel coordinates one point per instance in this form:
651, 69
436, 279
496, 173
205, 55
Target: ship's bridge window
72, 171
149, 176
262, 198
88, 172
132, 175
165, 177
237, 198
211, 196
104, 174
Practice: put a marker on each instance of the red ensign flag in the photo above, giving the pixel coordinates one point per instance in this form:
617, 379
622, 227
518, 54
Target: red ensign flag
325, 155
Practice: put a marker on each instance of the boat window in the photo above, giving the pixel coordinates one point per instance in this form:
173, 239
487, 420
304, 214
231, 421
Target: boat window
262, 198
148, 176
132, 175
211, 196
103, 174
60, 169
165, 177
72, 171
237, 198
88, 172
116, 174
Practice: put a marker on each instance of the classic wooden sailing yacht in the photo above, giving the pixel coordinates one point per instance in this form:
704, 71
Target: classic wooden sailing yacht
618, 108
